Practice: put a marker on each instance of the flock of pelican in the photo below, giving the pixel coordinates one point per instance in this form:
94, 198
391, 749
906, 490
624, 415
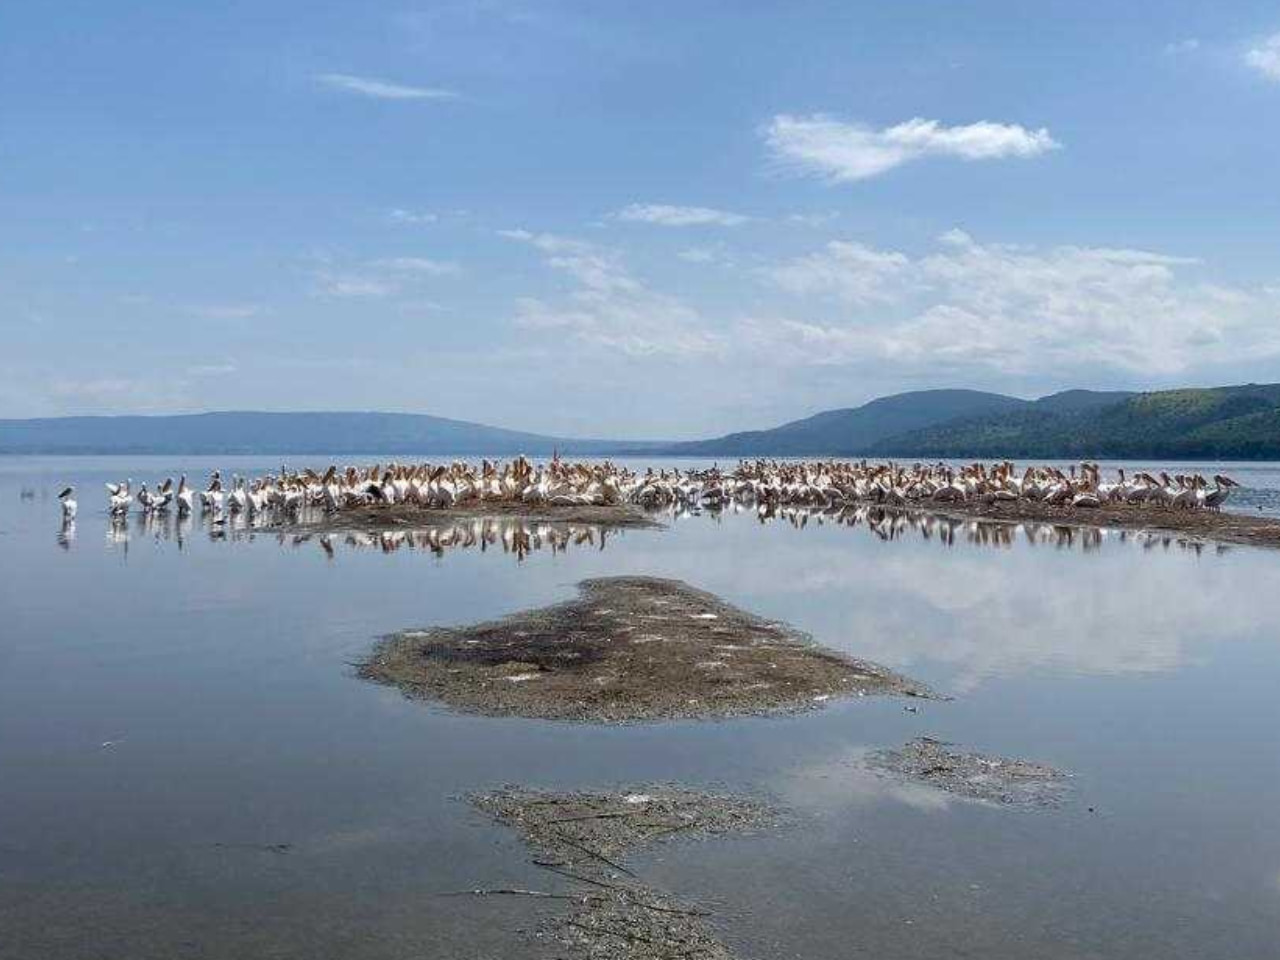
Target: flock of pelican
441, 486
828, 483
837, 483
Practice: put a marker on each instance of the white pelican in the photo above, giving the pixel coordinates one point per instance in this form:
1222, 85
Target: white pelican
69, 505
184, 497
120, 498
1215, 498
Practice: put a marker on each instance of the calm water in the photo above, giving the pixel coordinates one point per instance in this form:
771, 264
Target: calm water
172, 704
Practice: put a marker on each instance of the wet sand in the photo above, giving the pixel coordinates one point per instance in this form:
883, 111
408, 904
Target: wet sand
628, 649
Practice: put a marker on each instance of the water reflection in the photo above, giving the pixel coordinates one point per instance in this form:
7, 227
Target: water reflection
848, 779
521, 538
513, 537
888, 524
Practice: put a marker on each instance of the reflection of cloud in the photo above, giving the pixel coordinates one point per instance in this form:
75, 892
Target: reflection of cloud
848, 781
988, 613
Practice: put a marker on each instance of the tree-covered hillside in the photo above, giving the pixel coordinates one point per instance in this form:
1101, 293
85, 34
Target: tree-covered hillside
1241, 422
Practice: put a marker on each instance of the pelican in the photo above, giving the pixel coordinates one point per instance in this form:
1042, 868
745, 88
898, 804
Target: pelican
120, 498
1215, 498
69, 506
211, 496
184, 497
239, 499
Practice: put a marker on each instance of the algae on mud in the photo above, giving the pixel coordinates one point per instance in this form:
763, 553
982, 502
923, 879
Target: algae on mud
628, 649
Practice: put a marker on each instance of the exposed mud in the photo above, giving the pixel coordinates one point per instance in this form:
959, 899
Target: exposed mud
971, 775
582, 839
1211, 525
376, 518
628, 649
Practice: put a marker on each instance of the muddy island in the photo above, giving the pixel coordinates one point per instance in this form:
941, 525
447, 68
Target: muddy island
627, 650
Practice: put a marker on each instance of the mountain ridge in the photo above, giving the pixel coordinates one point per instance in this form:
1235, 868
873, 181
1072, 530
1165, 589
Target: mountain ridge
1238, 422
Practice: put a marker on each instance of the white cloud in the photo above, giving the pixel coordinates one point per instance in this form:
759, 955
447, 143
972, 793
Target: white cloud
381, 89
399, 215
609, 308
697, 255
667, 215
227, 311
813, 219
421, 265
855, 272
211, 369
354, 285
992, 312
1265, 57
378, 279
1180, 47
834, 150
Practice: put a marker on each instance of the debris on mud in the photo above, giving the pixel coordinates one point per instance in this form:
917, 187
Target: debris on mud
628, 649
973, 776
582, 838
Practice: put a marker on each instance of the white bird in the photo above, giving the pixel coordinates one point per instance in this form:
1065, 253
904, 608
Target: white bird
239, 499
211, 497
1215, 498
120, 498
184, 497
69, 505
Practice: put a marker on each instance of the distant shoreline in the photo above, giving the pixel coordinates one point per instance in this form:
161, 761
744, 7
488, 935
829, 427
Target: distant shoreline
1170, 457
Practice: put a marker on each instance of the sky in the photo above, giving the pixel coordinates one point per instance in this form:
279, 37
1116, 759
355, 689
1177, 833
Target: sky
631, 220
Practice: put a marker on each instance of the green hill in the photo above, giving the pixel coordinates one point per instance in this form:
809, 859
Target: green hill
854, 430
1240, 422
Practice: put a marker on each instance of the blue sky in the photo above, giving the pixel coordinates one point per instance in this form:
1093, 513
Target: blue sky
659, 219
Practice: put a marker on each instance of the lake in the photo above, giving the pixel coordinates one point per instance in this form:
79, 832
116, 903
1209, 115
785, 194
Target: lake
190, 769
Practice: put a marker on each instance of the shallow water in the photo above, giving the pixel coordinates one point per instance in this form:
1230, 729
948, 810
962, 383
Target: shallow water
172, 706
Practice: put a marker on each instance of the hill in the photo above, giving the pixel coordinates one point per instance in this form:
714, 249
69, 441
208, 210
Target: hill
1237, 422
286, 433
854, 430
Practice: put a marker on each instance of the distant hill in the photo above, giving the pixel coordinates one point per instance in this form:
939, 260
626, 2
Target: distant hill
1238, 422
855, 430
285, 433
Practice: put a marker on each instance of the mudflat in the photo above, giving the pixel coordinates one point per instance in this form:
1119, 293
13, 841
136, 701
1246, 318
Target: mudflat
627, 649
